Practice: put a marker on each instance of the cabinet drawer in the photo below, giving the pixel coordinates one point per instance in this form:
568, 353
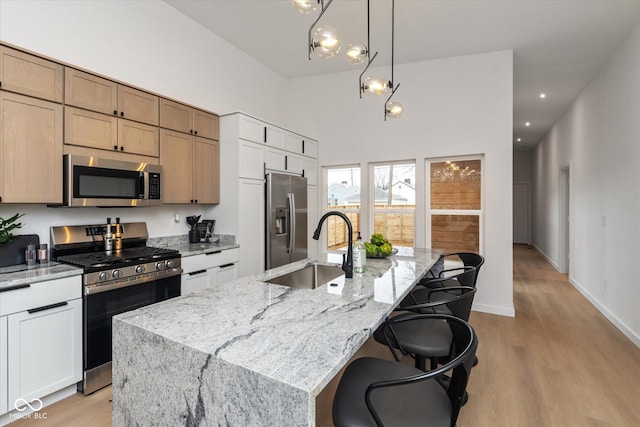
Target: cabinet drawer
30, 75
209, 260
40, 294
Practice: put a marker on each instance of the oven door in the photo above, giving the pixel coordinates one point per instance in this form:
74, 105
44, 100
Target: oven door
99, 308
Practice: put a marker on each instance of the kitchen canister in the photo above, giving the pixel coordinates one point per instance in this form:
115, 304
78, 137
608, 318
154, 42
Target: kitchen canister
30, 255
43, 253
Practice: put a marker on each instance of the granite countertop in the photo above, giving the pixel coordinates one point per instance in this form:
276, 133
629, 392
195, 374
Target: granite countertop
181, 243
298, 338
21, 274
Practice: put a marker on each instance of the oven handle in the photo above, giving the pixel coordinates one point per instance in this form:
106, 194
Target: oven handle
98, 288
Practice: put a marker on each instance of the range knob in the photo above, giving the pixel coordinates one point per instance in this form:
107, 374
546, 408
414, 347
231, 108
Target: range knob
115, 274
170, 264
160, 265
102, 276
140, 269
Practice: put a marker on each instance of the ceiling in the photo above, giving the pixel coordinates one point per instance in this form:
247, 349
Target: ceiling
558, 45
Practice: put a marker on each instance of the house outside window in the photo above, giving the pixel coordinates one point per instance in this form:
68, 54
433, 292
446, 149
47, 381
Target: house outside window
394, 201
343, 195
455, 204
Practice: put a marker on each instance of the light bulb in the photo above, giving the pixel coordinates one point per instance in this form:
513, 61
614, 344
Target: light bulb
356, 52
374, 86
325, 42
394, 109
305, 6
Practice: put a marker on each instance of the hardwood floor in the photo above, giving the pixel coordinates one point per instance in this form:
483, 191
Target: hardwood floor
559, 362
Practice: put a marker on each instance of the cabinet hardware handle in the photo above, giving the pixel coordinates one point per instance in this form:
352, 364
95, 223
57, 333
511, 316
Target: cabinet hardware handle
213, 253
14, 287
191, 200
303, 146
265, 134
286, 162
122, 148
0, 84
195, 132
121, 113
231, 264
115, 112
302, 172
115, 147
197, 272
47, 307
191, 131
196, 201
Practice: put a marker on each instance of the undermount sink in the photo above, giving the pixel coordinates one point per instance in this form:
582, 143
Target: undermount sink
309, 277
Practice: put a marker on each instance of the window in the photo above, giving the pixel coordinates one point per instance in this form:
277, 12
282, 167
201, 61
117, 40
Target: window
343, 195
394, 201
455, 204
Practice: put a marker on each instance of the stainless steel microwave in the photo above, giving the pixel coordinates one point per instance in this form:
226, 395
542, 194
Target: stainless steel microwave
93, 181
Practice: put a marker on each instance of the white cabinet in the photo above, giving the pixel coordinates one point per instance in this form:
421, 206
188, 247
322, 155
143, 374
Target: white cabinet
3, 365
251, 226
203, 271
40, 339
250, 146
45, 350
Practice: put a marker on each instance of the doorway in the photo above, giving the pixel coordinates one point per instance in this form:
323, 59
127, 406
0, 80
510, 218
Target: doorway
565, 220
521, 213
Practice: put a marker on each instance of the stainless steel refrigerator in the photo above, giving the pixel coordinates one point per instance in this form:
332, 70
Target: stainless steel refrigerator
286, 219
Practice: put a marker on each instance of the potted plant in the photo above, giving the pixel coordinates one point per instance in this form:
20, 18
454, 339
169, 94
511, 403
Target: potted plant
7, 226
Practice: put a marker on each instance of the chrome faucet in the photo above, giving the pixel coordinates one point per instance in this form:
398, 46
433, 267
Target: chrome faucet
347, 265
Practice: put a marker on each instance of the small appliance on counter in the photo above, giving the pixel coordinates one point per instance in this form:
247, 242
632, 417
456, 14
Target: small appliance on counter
194, 233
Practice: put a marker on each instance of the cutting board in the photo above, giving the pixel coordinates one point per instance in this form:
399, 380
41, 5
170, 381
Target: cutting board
12, 253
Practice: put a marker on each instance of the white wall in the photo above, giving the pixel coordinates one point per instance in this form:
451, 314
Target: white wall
598, 138
456, 106
522, 165
150, 45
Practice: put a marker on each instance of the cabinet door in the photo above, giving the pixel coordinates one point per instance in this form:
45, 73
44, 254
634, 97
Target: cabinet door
30, 150
310, 170
251, 129
293, 163
250, 226
274, 137
138, 138
88, 129
250, 160
223, 274
89, 91
206, 125
206, 170
274, 160
293, 142
194, 282
45, 350
310, 148
3, 365
30, 75
176, 158
176, 116
134, 104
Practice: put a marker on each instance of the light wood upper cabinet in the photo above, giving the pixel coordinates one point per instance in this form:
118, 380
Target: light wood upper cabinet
134, 104
190, 167
183, 118
30, 75
176, 158
206, 174
30, 150
91, 92
94, 130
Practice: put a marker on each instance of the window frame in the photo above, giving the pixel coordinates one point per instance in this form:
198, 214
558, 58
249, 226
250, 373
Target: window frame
325, 198
429, 213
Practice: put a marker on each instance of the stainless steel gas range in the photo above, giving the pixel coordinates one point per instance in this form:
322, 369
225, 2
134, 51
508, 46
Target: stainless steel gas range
114, 281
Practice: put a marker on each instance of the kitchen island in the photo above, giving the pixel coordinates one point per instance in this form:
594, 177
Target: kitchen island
248, 352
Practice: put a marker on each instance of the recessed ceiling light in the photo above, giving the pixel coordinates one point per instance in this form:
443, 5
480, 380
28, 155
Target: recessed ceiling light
527, 124
543, 95
518, 139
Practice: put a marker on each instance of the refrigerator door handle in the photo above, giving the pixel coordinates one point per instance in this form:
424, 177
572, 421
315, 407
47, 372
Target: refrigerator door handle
292, 221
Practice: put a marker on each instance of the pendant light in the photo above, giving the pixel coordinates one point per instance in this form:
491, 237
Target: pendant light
392, 109
372, 85
324, 42
305, 7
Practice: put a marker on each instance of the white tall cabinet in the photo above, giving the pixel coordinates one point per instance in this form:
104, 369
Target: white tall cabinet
248, 148
3, 365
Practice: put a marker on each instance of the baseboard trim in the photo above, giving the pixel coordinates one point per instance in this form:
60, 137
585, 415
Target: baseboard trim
494, 309
41, 414
628, 332
549, 260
